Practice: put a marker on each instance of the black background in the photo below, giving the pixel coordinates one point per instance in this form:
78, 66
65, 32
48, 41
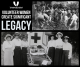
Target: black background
6, 4
27, 5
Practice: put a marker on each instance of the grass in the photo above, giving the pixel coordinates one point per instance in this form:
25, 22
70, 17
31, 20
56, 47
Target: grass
75, 59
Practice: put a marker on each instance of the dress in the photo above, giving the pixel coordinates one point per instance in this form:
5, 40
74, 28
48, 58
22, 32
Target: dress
67, 53
17, 51
58, 52
24, 45
51, 51
73, 25
8, 52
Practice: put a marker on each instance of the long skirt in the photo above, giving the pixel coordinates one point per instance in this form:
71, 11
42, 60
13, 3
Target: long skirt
51, 54
24, 55
58, 56
17, 56
8, 56
65, 60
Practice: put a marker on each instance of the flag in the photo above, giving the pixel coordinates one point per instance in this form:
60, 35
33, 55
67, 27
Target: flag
37, 38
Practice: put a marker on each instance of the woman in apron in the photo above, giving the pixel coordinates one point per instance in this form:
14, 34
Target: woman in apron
51, 49
58, 50
17, 48
24, 45
67, 52
8, 50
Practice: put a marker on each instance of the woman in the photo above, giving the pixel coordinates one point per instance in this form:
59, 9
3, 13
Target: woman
24, 45
58, 50
51, 49
67, 52
8, 50
73, 24
69, 18
17, 49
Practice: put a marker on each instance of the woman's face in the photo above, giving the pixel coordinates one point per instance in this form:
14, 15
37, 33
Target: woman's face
16, 37
52, 38
24, 39
59, 36
8, 38
69, 11
65, 40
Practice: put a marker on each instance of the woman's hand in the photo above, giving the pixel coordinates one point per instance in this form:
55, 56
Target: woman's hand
69, 57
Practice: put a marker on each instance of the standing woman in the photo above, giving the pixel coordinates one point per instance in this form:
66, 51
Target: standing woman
67, 52
58, 50
24, 45
8, 50
51, 49
73, 24
17, 48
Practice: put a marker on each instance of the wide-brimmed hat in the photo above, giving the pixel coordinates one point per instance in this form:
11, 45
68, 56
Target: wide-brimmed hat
16, 34
66, 37
8, 35
51, 36
59, 33
24, 36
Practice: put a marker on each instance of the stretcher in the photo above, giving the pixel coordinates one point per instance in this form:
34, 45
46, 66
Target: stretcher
38, 57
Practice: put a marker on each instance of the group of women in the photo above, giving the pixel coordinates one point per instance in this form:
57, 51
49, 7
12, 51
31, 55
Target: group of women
69, 17
60, 51
15, 49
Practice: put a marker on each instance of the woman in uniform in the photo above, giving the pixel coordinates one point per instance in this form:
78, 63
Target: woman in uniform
24, 45
67, 52
17, 48
58, 50
51, 49
8, 50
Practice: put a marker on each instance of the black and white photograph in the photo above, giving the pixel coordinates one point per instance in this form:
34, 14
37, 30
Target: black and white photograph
40, 48
55, 15
39, 33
